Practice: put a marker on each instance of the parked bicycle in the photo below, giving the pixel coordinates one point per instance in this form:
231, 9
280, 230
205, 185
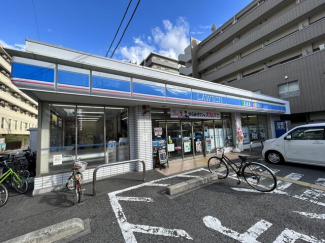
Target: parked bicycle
18, 183
257, 175
74, 181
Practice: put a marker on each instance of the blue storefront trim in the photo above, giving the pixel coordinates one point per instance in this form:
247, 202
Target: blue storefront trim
31, 72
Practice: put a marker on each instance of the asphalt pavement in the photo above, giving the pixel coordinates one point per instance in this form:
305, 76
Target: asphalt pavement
126, 209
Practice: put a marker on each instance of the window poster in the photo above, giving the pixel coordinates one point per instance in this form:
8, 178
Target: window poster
187, 147
57, 159
198, 146
171, 147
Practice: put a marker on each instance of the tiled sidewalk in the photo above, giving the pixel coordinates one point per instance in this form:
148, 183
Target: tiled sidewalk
178, 166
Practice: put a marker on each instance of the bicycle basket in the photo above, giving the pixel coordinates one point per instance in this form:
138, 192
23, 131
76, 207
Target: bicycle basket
82, 164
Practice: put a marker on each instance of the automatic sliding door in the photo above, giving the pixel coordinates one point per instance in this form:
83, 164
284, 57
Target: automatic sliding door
198, 137
174, 140
187, 139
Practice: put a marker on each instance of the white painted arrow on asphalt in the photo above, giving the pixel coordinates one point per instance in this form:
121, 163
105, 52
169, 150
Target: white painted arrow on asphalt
249, 236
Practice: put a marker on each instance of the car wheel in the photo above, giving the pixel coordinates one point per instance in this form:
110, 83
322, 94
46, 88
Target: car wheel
274, 157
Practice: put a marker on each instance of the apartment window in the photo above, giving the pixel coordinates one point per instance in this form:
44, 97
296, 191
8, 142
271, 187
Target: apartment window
15, 124
289, 89
2, 123
9, 124
21, 126
25, 126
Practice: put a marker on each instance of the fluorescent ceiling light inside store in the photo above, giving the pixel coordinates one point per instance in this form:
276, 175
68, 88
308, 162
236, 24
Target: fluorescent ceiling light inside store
87, 120
63, 105
89, 112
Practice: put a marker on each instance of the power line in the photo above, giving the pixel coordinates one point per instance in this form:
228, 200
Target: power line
36, 21
125, 28
119, 27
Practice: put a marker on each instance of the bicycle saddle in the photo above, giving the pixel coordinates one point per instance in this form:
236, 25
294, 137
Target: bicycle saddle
243, 158
76, 168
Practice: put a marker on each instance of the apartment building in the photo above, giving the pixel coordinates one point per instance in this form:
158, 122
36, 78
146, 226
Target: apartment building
160, 62
272, 47
18, 112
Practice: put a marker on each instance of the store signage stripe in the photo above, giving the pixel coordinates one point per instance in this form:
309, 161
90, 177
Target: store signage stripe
146, 95
31, 82
110, 91
211, 103
178, 99
72, 87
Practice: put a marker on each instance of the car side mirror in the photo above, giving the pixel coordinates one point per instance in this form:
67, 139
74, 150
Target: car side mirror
288, 137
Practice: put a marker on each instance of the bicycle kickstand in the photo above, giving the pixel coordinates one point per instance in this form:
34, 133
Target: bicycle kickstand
238, 180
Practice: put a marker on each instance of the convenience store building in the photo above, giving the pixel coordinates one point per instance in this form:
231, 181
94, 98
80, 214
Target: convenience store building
106, 111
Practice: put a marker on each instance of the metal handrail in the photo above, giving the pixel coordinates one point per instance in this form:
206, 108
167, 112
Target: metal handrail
117, 163
250, 145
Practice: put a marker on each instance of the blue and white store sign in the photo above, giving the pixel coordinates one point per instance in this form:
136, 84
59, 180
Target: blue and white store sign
49, 77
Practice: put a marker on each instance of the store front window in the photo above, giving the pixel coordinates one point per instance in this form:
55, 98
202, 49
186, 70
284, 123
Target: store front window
97, 135
254, 128
190, 137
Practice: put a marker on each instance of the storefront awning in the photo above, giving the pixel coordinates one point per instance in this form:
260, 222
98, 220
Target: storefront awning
49, 72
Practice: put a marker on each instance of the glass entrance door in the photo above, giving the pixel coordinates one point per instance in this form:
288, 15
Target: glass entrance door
209, 137
198, 137
174, 140
187, 136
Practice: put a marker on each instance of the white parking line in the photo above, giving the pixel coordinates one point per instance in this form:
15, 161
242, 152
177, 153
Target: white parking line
311, 215
127, 228
135, 199
293, 176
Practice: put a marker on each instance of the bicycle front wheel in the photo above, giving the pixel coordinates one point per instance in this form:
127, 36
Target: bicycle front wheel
3, 195
217, 165
259, 177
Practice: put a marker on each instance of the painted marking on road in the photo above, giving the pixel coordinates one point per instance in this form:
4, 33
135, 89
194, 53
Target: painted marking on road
311, 215
238, 189
249, 236
293, 176
162, 185
135, 199
145, 229
320, 182
187, 176
312, 195
129, 229
291, 236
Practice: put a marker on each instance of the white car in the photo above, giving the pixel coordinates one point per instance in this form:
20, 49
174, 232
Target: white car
303, 144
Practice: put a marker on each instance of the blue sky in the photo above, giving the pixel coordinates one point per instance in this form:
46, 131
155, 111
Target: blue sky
163, 26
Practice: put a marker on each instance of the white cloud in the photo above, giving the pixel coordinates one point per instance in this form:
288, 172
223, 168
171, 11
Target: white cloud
49, 30
197, 32
14, 46
138, 52
169, 41
205, 26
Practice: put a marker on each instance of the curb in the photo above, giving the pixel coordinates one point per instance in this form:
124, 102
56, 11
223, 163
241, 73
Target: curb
53, 233
190, 184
